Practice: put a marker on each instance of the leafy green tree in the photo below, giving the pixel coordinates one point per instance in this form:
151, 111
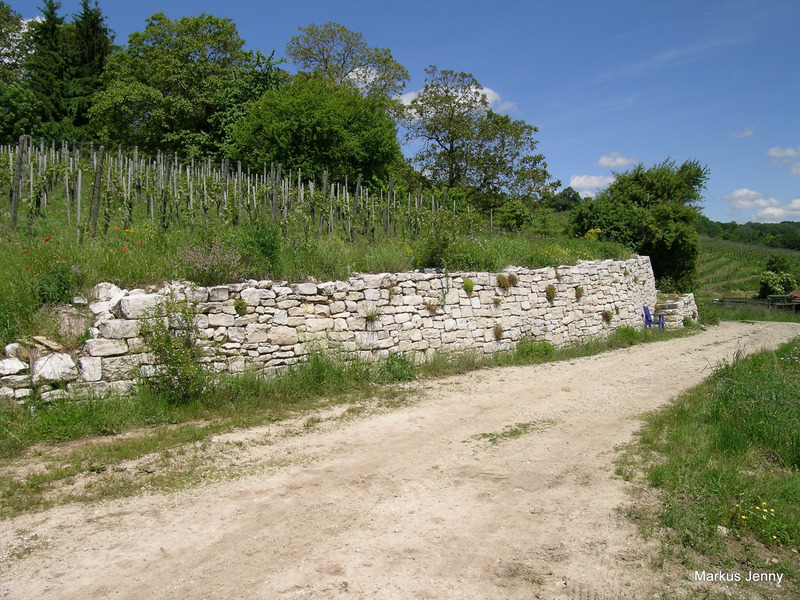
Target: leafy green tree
18, 112
316, 125
46, 64
465, 144
168, 88
565, 200
336, 53
90, 44
13, 45
653, 211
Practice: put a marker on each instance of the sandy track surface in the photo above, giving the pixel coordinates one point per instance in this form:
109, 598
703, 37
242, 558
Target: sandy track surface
416, 502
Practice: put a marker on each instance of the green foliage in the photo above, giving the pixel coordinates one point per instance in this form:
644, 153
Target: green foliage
58, 285
465, 144
314, 125
209, 265
240, 306
469, 285
772, 283
502, 282
342, 56
171, 337
174, 81
550, 293
653, 211
733, 444
397, 367
530, 349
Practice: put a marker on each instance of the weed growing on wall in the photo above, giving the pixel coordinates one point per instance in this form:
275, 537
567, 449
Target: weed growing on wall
171, 337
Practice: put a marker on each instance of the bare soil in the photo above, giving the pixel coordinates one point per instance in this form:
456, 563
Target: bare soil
495, 484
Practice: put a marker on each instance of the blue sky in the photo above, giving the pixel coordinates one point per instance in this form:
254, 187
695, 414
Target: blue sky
608, 84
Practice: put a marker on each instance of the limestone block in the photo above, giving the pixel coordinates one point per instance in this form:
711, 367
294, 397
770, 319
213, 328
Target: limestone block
53, 368
103, 291
305, 289
245, 320
255, 333
91, 368
123, 367
102, 347
220, 320
23, 393
252, 296
15, 382
12, 366
140, 306
236, 365
119, 328
282, 336
282, 290
236, 334
54, 395
218, 293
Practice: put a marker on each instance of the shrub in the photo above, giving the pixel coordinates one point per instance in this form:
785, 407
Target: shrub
513, 279
58, 285
550, 292
171, 336
578, 293
431, 305
497, 301
498, 331
372, 315
502, 282
209, 265
607, 316
530, 349
469, 285
397, 367
240, 306
772, 283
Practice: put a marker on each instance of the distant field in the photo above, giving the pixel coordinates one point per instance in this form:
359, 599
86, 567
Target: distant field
732, 269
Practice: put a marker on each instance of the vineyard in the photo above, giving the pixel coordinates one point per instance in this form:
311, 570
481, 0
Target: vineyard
80, 214
732, 269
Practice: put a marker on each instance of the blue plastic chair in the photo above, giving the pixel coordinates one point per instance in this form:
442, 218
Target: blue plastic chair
648, 320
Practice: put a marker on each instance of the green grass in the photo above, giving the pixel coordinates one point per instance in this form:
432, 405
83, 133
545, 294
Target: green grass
727, 455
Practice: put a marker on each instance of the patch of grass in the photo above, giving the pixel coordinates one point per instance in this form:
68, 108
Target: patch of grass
514, 431
726, 458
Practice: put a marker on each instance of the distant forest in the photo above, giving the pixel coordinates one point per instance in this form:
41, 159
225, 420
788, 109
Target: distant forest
785, 234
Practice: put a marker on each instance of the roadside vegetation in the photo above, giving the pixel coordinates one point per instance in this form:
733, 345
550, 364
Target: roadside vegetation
725, 460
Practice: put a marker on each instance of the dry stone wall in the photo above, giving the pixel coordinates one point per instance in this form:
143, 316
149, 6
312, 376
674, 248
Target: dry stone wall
267, 325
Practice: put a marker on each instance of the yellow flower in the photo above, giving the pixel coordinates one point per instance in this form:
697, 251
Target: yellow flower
744, 517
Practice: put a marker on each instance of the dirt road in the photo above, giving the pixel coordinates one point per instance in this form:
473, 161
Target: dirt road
495, 484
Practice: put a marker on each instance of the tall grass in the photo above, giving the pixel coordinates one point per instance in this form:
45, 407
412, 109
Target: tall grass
727, 454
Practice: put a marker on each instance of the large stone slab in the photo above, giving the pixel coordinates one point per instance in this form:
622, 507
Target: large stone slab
140, 306
12, 366
54, 368
101, 347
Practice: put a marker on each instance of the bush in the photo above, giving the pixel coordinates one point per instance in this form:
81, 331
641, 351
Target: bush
209, 265
58, 285
171, 336
397, 367
772, 283
469, 285
530, 349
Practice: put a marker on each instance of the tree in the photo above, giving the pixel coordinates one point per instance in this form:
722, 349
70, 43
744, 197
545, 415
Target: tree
166, 90
91, 42
336, 53
46, 64
13, 44
465, 144
316, 125
565, 200
653, 211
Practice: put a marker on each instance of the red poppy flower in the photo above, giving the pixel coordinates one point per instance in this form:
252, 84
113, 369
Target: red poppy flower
27, 268
138, 243
25, 250
124, 249
116, 228
47, 239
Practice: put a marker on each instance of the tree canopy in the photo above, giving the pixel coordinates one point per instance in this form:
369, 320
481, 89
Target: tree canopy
653, 211
334, 52
316, 125
466, 144
174, 82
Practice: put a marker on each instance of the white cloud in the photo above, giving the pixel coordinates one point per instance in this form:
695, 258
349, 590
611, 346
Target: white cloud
766, 208
786, 156
746, 132
587, 184
615, 160
408, 97
778, 152
496, 101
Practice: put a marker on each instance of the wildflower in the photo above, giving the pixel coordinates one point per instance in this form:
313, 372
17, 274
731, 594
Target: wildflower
774, 537
116, 228
27, 268
47, 239
138, 243
25, 250
744, 517
124, 249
